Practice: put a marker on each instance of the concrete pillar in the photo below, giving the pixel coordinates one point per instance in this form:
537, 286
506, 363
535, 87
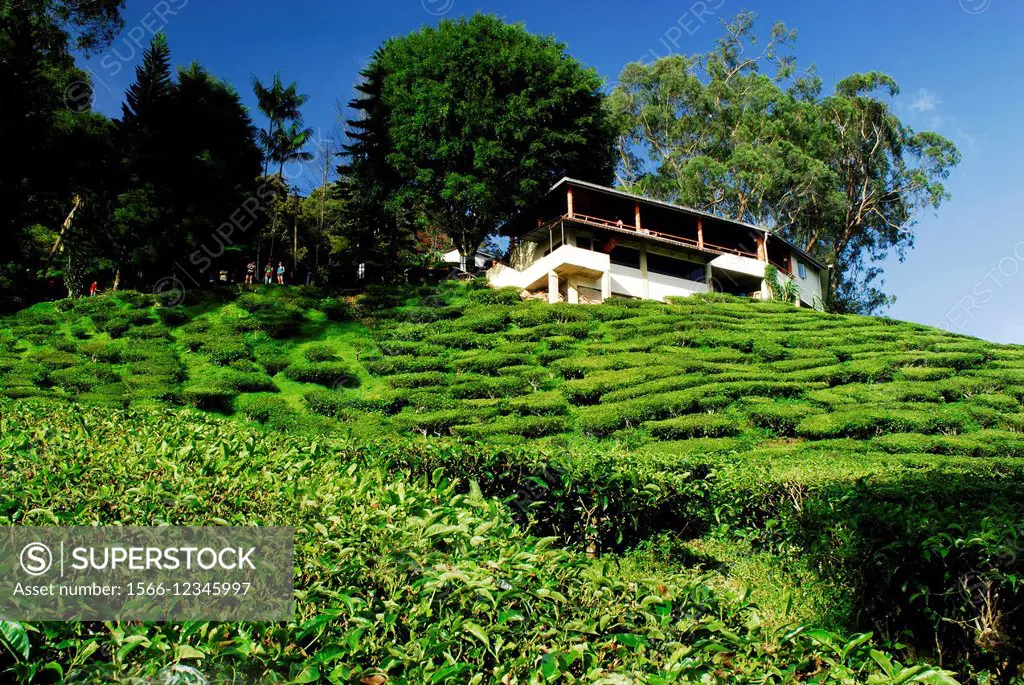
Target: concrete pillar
552, 287
644, 280
573, 292
606, 285
708, 278
568, 201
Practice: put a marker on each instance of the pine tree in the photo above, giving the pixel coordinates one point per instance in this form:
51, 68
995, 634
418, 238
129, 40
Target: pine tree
373, 220
147, 107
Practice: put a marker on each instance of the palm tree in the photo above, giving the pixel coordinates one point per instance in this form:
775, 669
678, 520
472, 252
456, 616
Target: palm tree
280, 104
288, 147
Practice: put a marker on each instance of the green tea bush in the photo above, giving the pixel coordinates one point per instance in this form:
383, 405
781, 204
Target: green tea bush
489, 319
249, 381
694, 426
321, 373
499, 296
488, 362
418, 380
225, 349
325, 402
210, 396
266, 408
320, 352
134, 300
539, 404
780, 418
460, 340
272, 359
435, 422
396, 348
527, 427
336, 309
482, 387
390, 366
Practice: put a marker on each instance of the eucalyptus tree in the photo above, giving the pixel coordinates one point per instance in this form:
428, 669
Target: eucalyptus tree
739, 132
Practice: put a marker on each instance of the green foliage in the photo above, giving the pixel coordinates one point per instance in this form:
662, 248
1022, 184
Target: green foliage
430, 536
454, 149
322, 373
694, 426
863, 174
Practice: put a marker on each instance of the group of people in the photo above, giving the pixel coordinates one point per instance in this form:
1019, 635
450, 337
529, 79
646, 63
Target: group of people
268, 273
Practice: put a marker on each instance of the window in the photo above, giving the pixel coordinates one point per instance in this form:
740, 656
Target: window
679, 268
801, 269
626, 256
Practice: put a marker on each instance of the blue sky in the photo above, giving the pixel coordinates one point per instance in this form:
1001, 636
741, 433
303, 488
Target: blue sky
958, 63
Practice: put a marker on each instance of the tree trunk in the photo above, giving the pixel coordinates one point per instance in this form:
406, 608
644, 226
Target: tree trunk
117, 280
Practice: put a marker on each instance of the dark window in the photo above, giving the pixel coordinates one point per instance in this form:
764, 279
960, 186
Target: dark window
679, 268
802, 269
626, 256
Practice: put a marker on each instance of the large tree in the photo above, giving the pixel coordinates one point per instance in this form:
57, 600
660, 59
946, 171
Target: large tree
376, 226
481, 118
46, 124
190, 161
738, 131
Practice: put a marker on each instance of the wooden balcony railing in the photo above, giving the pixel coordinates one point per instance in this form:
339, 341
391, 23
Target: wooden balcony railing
664, 237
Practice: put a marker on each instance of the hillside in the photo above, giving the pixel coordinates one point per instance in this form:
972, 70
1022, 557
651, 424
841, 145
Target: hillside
853, 473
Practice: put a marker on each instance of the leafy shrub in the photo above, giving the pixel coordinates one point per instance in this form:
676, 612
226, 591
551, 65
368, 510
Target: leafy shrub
266, 408
224, 349
780, 418
172, 316
209, 396
272, 359
460, 340
395, 348
539, 404
254, 302
336, 309
865, 422
487, 387
694, 426
321, 373
418, 380
320, 352
249, 381
488, 362
434, 423
527, 427
498, 296
133, 299
390, 366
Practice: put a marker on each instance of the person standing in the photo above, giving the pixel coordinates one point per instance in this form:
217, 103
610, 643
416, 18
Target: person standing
268, 274
280, 273
250, 273
92, 288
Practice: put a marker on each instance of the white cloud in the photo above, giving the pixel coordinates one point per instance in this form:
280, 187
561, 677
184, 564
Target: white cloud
925, 101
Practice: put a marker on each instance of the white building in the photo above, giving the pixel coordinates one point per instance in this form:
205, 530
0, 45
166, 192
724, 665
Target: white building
585, 243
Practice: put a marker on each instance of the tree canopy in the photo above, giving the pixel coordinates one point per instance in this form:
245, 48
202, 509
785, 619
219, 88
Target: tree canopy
739, 132
468, 122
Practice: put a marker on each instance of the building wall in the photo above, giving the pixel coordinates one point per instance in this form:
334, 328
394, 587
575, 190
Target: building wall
810, 284
629, 282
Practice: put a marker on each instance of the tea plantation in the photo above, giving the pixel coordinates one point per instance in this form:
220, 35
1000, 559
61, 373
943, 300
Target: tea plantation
489, 490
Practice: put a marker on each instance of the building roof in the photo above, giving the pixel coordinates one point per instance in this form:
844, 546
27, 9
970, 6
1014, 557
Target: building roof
686, 210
